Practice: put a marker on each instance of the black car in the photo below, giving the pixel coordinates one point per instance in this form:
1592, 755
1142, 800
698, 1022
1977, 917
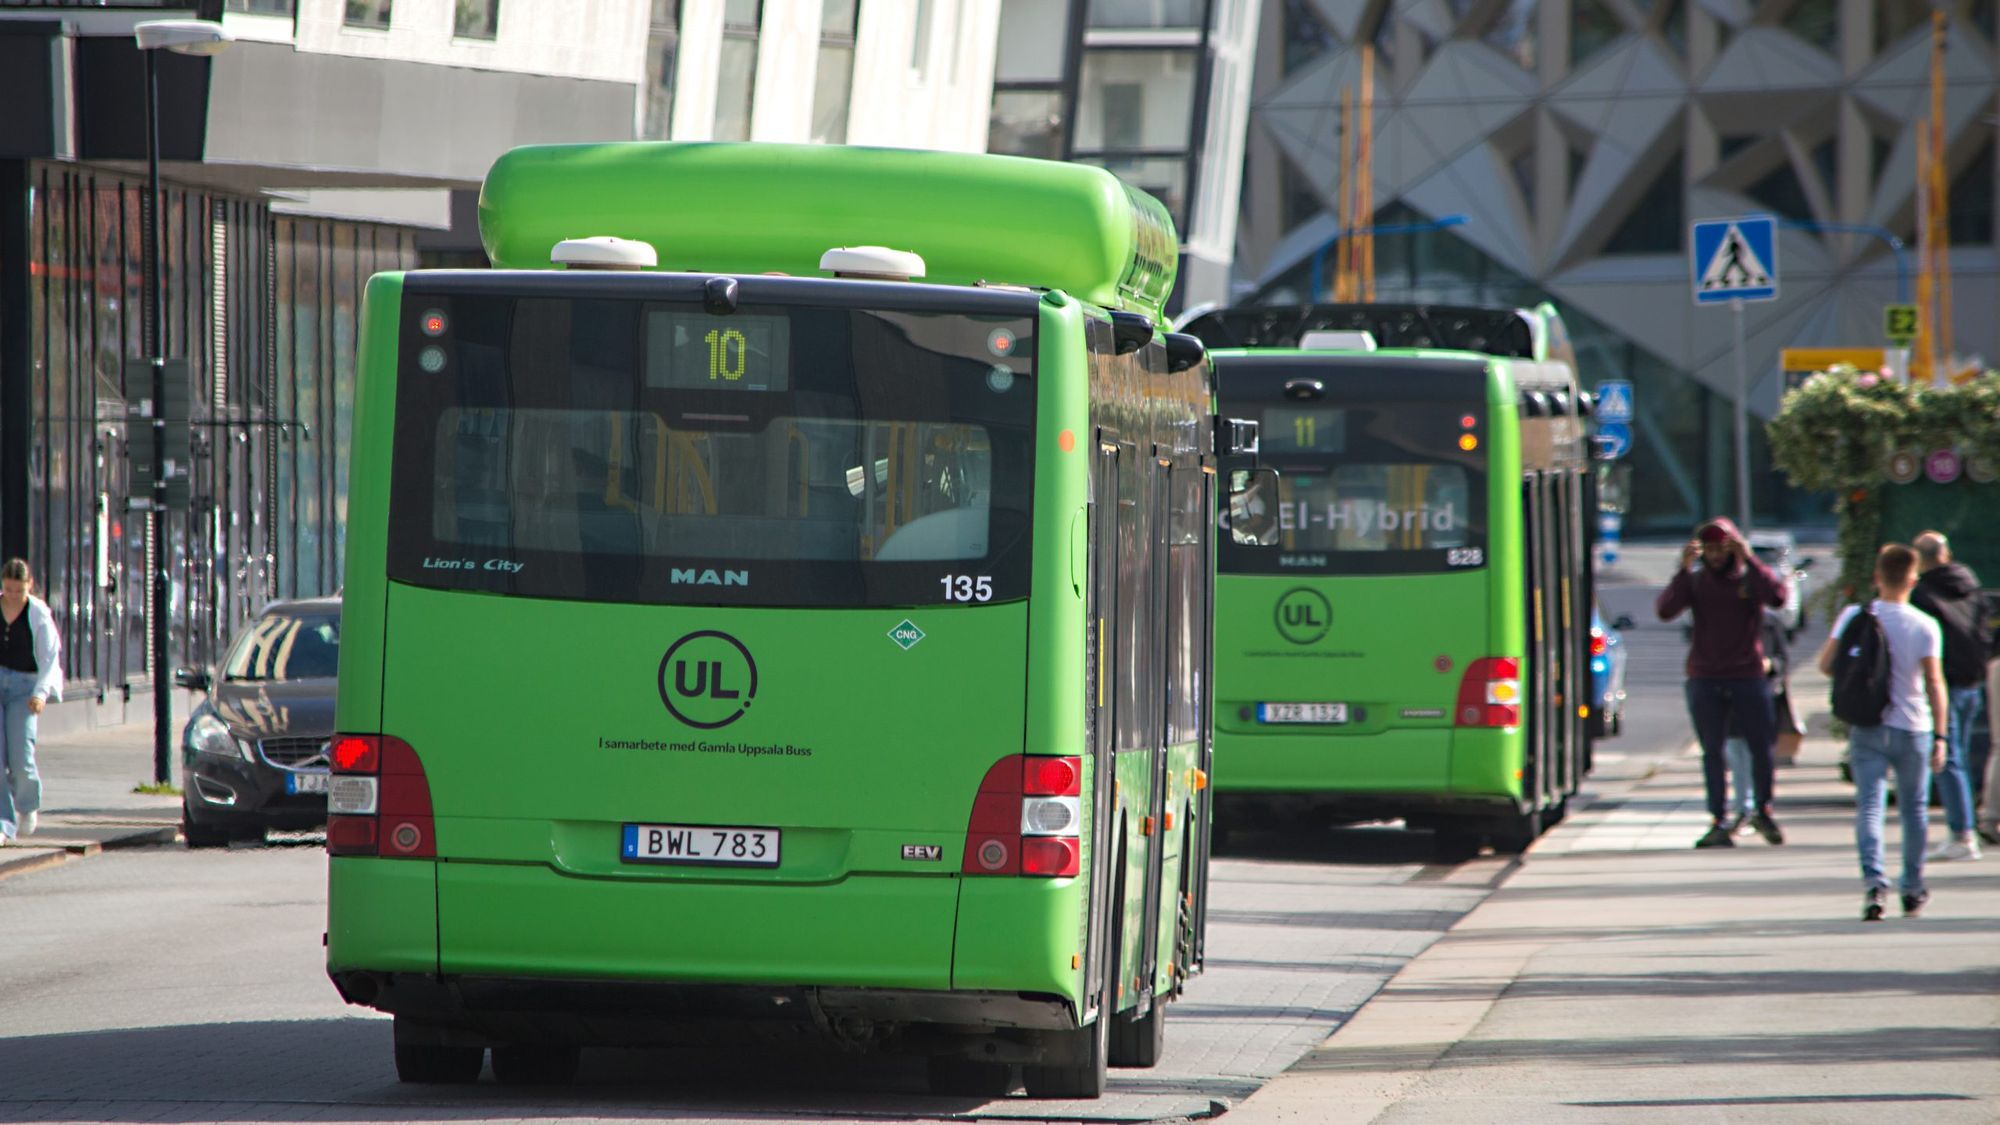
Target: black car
254, 753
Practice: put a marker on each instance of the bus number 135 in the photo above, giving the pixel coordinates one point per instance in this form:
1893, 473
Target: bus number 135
966, 588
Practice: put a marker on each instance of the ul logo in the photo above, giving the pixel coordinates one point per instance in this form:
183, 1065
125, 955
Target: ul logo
1303, 616
708, 679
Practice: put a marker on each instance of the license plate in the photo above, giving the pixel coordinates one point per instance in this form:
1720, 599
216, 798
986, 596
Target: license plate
700, 844
1302, 712
305, 782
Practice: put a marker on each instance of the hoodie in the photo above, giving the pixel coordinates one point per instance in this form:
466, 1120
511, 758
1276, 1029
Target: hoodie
1728, 610
1951, 594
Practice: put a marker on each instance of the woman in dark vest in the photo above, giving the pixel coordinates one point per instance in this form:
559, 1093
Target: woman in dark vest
30, 678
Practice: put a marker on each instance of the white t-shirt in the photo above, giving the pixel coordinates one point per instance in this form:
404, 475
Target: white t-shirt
1912, 635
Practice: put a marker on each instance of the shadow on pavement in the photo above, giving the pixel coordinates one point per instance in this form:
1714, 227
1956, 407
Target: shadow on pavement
1832, 1049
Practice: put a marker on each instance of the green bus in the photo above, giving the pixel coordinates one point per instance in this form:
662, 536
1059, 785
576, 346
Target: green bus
1403, 603
734, 649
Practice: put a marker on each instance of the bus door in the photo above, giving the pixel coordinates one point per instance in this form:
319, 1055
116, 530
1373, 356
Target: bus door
1534, 670
1555, 663
1162, 618
1101, 618
1202, 837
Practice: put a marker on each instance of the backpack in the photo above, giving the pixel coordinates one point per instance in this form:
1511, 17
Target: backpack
1861, 672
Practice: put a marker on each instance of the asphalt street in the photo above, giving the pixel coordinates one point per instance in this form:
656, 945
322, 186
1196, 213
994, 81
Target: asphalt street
159, 984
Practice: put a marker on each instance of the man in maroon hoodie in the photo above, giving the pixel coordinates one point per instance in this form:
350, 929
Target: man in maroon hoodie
1727, 592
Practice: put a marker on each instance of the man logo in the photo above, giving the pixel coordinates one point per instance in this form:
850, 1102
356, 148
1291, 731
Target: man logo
1303, 616
708, 679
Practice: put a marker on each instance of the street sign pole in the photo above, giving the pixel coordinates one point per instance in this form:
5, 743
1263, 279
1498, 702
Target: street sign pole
163, 680
1742, 422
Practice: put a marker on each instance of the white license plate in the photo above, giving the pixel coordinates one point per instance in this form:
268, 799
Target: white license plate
700, 844
1302, 712
305, 782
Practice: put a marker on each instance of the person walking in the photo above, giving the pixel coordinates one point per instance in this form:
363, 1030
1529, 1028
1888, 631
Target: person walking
1725, 586
1908, 740
1949, 592
1777, 670
30, 678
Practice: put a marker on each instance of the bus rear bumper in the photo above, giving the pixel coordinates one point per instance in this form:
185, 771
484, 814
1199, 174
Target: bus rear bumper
484, 1011
1420, 809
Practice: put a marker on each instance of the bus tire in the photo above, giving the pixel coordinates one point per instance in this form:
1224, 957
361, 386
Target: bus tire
952, 1077
1513, 835
1081, 1079
536, 1064
1138, 1041
430, 1064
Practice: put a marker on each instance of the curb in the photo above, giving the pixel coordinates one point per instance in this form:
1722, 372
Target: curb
38, 859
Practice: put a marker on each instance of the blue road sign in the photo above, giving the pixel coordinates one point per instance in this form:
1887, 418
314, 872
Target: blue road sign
1735, 259
1615, 438
1614, 403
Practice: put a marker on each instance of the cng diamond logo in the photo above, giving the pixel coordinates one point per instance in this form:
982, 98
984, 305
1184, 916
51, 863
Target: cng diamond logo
906, 635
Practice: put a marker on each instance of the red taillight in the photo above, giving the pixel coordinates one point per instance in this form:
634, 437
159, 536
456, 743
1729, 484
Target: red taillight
1490, 693
357, 753
1018, 793
1598, 645
1051, 777
400, 822
1051, 856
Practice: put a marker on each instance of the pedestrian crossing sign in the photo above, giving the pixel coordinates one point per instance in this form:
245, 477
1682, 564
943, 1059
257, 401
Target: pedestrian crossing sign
1735, 259
1614, 402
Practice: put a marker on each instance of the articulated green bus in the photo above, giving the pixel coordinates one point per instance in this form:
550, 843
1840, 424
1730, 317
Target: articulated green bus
733, 649
1402, 611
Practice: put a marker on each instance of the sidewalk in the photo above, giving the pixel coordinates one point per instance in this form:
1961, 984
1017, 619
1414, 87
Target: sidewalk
1621, 975
87, 800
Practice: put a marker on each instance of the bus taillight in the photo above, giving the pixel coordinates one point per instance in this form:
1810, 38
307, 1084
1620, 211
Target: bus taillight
1490, 693
1026, 818
379, 801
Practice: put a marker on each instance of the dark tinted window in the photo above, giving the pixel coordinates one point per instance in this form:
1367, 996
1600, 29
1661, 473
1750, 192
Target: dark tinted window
283, 646
645, 451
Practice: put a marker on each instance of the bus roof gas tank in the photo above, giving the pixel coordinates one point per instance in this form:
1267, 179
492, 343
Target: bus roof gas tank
761, 208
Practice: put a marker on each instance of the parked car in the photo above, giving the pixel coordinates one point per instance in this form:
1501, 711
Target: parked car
1607, 677
254, 752
1779, 551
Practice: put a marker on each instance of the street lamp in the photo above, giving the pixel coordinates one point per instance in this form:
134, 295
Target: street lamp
1319, 255
186, 37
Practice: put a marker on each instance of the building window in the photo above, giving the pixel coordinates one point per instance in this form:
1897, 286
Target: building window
1657, 222
741, 21
1027, 123
263, 7
920, 41
476, 19
663, 44
1136, 99
1145, 13
1165, 178
833, 80
368, 13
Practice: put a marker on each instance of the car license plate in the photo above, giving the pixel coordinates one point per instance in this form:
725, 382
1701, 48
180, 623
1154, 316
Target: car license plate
701, 844
305, 783
1302, 712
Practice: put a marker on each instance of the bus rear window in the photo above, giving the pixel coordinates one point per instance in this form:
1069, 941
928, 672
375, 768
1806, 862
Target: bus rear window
1369, 488
636, 451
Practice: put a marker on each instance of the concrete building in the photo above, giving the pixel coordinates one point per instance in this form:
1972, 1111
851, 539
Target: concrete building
1580, 137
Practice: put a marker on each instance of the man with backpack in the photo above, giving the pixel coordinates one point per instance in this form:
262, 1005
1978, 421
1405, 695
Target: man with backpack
1886, 663
1949, 591
1726, 687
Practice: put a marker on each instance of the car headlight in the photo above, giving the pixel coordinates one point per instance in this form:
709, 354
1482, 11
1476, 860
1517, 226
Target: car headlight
210, 735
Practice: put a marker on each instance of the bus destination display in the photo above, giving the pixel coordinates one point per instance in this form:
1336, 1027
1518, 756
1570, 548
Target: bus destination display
1290, 429
695, 351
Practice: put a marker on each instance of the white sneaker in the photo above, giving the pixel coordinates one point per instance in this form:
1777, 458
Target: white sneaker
1965, 847
28, 820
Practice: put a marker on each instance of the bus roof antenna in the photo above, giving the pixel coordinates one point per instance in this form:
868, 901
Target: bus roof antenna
604, 252
873, 263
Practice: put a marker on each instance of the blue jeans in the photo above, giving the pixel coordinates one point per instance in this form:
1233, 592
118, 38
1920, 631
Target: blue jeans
20, 785
1954, 782
1746, 782
1874, 752
1719, 706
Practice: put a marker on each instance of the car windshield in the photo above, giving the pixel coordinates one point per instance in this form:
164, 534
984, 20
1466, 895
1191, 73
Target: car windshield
285, 646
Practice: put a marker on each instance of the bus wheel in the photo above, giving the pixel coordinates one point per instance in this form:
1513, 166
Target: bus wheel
535, 1064
1137, 1042
969, 1078
428, 1063
1085, 1077
1512, 835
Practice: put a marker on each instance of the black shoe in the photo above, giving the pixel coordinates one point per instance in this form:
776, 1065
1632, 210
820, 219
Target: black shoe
1739, 825
1767, 828
1717, 836
1871, 905
1913, 905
